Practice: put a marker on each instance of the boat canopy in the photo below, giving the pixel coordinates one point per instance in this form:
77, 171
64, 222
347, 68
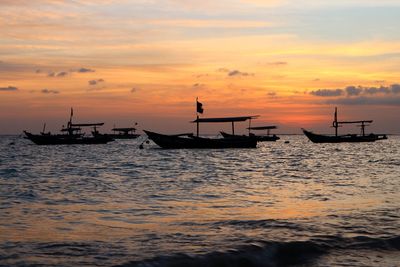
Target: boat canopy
123, 129
262, 128
343, 122
226, 119
86, 124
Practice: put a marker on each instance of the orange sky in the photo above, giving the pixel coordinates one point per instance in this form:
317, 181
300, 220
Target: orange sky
139, 61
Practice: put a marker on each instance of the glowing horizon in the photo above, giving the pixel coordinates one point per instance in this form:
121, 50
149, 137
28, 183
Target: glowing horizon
126, 61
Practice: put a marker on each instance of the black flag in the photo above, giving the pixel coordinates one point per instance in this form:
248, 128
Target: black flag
199, 107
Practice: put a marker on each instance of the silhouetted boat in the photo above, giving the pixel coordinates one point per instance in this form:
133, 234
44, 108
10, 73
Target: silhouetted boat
71, 135
124, 133
259, 138
191, 141
352, 138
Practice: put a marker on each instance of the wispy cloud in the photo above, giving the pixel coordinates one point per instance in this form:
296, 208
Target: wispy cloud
56, 74
96, 81
83, 70
210, 23
8, 89
278, 63
49, 91
327, 92
239, 73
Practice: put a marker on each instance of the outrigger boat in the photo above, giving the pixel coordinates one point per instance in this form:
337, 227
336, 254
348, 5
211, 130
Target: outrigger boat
190, 141
70, 135
319, 138
259, 138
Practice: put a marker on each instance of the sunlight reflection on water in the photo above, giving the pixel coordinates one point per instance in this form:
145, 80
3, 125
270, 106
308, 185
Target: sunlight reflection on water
130, 204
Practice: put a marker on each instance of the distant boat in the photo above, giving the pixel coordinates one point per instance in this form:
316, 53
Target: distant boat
124, 133
352, 138
259, 138
71, 135
190, 141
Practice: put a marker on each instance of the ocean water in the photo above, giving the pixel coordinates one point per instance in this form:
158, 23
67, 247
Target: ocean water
282, 204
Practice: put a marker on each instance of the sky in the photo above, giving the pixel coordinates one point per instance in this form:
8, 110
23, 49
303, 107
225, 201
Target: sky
120, 62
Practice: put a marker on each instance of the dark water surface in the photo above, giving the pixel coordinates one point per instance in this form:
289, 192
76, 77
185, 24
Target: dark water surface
296, 204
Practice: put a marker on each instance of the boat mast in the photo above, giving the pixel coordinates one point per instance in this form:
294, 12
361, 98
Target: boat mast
197, 114
335, 122
70, 131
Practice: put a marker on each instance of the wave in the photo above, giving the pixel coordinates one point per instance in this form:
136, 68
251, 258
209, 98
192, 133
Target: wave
272, 254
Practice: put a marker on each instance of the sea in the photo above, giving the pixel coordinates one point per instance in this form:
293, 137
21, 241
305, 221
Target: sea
284, 203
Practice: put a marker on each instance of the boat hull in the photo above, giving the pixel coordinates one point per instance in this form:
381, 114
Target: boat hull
350, 138
193, 142
62, 139
258, 138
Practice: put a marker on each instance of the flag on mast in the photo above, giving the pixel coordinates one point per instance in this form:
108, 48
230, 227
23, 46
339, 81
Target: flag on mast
199, 107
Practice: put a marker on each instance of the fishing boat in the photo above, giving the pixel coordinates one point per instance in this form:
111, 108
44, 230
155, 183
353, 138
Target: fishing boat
259, 138
124, 133
352, 138
190, 141
71, 134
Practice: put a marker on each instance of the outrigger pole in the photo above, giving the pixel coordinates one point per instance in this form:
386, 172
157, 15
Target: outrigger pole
336, 124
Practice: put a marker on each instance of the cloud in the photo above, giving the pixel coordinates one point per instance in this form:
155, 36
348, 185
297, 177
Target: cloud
83, 70
197, 85
352, 90
278, 63
239, 73
376, 90
362, 100
9, 89
327, 92
134, 90
49, 91
96, 81
62, 74
56, 74
395, 88
222, 70
210, 23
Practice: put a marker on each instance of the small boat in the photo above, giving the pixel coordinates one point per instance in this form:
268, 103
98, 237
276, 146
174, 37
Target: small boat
124, 133
70, 135
191, 141
351, 138
259, 138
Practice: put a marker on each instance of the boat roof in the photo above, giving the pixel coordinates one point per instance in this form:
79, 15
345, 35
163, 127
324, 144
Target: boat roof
226, 119
263, 127
86, 124
342, 122
123, 129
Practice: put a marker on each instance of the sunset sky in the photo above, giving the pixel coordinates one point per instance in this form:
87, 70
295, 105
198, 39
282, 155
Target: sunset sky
146, 61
